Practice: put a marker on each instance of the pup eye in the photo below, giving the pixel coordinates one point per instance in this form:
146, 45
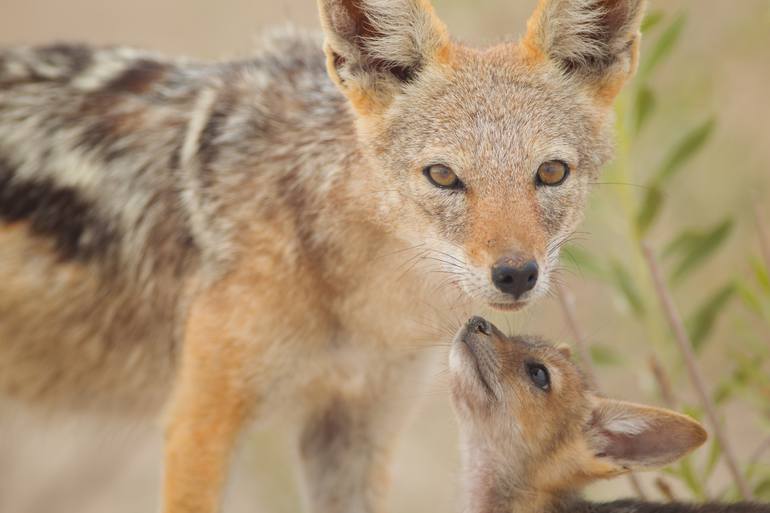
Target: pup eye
441, 176
553, 172
539, 375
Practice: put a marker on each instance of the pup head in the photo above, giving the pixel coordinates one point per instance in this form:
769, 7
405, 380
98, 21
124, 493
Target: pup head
527, 406
485, 155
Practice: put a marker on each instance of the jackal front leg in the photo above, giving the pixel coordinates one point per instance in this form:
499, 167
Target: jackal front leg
210, 405
345, 444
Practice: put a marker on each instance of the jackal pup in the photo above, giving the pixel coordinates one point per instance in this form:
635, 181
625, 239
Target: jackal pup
534, 434
238, 240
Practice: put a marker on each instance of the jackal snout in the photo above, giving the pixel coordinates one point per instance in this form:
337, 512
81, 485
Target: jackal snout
515, 275
507, 250
483, 158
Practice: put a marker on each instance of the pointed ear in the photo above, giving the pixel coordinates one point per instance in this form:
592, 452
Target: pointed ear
374, 47
565, 350
625, 436
596, 41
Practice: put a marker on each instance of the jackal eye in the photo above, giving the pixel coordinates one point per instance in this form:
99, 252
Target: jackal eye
539, 375
553, 172
441, 176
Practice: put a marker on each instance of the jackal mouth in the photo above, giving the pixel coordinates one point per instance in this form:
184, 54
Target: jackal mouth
509, 307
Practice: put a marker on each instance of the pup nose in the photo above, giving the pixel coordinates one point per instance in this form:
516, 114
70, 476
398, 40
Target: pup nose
514, 280
480, 325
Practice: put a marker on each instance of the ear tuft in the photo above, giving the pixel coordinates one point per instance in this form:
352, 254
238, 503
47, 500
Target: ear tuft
594, 40
633, 436
375, 45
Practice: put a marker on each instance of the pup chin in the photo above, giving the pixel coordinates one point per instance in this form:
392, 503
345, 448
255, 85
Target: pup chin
464, 370
472, 361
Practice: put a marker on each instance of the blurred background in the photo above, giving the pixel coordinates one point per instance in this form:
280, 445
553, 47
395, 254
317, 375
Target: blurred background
692, 178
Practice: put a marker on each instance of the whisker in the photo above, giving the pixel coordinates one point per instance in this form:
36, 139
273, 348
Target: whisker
625, 184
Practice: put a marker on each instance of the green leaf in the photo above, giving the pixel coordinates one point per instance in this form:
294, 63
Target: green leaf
762, 489
701, 323
622, 280
662, 46
693, 411
672, 471
750, 298
644, 105
682, 243
731, 494
762, 274
699, 247
690, 478
724, 392
648, 212
715, 453
749, 371
685, 149
582, 261
652, 19
603, 355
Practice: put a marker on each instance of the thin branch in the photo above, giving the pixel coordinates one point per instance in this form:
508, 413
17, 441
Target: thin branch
665, 489
567, 302
761, 449
636, 485
696, 377
764, 236
663, 381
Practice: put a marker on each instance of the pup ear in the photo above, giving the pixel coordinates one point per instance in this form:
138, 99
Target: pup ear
596, 41
565, 350
625, 436
374, 47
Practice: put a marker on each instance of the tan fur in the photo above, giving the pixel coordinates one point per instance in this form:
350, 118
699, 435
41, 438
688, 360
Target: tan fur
528, 449
239, 241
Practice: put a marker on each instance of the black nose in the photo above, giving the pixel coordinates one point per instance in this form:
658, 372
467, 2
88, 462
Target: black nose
514, 280
479, 324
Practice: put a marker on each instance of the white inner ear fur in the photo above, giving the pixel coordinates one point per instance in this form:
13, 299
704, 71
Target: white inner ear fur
638, 436
621, 423
616, 417
586, 32
565, 29
401, 32
407, 31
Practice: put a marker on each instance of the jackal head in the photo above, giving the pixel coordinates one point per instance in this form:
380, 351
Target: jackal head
484, 156
526, 408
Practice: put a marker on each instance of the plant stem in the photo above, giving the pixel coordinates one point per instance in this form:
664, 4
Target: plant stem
664, 383
665, 489
764, 236
630, 205
567, 302
696, 377
761, 449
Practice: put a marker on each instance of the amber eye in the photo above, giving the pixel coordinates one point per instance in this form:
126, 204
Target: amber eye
441, 176
553, 172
